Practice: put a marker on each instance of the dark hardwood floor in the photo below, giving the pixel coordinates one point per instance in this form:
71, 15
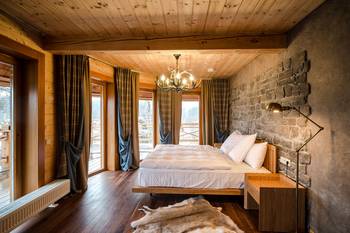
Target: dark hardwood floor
109, 206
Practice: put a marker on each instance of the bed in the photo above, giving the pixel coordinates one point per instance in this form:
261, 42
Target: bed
175, 169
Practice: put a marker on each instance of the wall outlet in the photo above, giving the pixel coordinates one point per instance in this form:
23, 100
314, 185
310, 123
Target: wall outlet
284, 161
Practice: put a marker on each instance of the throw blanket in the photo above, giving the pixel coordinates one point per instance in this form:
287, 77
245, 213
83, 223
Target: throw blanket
201, 157
192, 215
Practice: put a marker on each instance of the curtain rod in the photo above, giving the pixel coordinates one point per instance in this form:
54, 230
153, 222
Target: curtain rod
107, 63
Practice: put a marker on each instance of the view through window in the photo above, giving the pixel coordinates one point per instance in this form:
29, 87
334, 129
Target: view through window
96, 149
145, 123
6, 158
189, 131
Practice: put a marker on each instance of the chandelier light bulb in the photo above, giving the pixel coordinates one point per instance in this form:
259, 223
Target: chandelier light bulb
184, 81
178, 76
162, 77
191, 77
167, 81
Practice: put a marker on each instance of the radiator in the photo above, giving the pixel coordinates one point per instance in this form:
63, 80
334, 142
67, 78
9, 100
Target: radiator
18, 211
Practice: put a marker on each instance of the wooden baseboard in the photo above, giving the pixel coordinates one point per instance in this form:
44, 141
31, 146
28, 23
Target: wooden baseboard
195, 191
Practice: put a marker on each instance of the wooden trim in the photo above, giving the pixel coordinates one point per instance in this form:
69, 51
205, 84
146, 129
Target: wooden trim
100, 77
147, 86
192, 191
170, 43
36, 61
103, 95
270, 162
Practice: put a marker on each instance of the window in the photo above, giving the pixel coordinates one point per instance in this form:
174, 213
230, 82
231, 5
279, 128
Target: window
6, 156
96, 160
146, 123
189, 131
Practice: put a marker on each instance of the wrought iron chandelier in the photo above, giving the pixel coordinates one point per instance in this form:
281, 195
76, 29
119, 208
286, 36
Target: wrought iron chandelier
177, 80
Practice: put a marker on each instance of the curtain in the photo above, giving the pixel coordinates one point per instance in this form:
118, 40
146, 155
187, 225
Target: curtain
73, 118
221, 97
169, 111
127, 83
207, 117
215, 96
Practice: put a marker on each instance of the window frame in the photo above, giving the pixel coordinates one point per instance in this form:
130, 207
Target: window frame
194, 96
97, 81
144, 94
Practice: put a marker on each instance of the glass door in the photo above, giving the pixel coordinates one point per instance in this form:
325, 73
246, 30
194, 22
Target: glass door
189, 131
6, 135
146, 123
96, 160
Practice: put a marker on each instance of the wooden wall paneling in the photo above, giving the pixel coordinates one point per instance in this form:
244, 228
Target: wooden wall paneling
154, 10
170, 13
111, 122
78, 18
229, 13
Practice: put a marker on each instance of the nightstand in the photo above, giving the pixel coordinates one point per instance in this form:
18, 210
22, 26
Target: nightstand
274, 196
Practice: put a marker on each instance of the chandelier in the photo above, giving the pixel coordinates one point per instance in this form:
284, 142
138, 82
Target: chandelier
177, 80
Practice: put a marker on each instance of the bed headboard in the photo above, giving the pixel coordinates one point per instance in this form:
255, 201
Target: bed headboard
270, 162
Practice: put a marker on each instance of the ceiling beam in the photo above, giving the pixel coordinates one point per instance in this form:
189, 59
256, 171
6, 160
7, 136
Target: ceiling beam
264, 42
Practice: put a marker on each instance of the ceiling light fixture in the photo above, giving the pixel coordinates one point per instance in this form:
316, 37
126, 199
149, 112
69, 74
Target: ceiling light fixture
177, 80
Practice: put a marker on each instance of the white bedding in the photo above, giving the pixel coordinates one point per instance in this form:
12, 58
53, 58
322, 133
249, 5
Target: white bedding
233, 177
180, 157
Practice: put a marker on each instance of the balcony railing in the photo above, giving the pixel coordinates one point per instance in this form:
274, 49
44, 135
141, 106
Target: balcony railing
189, 133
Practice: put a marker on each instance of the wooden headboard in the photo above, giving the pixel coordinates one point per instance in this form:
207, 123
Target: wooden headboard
270, 162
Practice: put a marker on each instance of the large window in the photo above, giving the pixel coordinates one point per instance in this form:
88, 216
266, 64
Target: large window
189, 131
96, 160
146, 123
6, 156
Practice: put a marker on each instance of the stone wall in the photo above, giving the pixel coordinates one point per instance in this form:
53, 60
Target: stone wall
285, 83
324, 34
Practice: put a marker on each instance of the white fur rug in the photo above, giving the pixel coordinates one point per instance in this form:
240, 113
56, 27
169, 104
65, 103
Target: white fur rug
194, 215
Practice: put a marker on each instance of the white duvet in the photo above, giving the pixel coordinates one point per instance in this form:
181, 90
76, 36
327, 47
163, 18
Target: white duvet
202, 157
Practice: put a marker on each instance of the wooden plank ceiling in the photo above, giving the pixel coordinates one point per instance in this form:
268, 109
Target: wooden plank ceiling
98, 20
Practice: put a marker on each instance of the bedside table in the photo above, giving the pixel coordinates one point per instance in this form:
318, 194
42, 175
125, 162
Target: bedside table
274, 196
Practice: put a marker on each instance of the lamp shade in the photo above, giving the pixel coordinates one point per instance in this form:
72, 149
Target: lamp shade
276, 107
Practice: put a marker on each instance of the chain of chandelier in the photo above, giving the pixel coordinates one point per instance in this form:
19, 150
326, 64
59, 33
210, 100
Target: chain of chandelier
177, 80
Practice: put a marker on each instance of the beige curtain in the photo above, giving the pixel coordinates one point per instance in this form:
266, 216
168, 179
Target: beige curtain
207, 118
169, 112
127, 86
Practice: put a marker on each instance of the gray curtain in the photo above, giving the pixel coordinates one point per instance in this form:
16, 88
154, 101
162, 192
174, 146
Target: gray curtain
215, 99
169, 111
73, 118
126, 83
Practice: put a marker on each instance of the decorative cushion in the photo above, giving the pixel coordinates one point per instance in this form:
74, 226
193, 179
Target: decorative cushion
231, 141
256, 155
239, 151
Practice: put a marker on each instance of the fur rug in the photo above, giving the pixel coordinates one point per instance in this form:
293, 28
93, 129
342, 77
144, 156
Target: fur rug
194, 215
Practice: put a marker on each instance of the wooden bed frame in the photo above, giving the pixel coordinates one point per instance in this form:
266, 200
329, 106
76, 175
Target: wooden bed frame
269, 163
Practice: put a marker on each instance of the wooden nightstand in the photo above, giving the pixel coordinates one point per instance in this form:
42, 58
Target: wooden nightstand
274, 196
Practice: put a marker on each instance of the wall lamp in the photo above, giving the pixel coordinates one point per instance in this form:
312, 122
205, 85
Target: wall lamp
276, 107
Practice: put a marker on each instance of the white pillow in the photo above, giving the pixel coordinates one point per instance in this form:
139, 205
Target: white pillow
239, 152
231, 141
256, 155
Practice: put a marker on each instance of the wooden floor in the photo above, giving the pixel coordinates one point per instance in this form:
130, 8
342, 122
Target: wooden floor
109, 206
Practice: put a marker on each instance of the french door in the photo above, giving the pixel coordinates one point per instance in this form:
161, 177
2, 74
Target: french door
7, 69
97, 146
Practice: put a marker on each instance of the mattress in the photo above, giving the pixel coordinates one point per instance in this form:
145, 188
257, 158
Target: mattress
187, 178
